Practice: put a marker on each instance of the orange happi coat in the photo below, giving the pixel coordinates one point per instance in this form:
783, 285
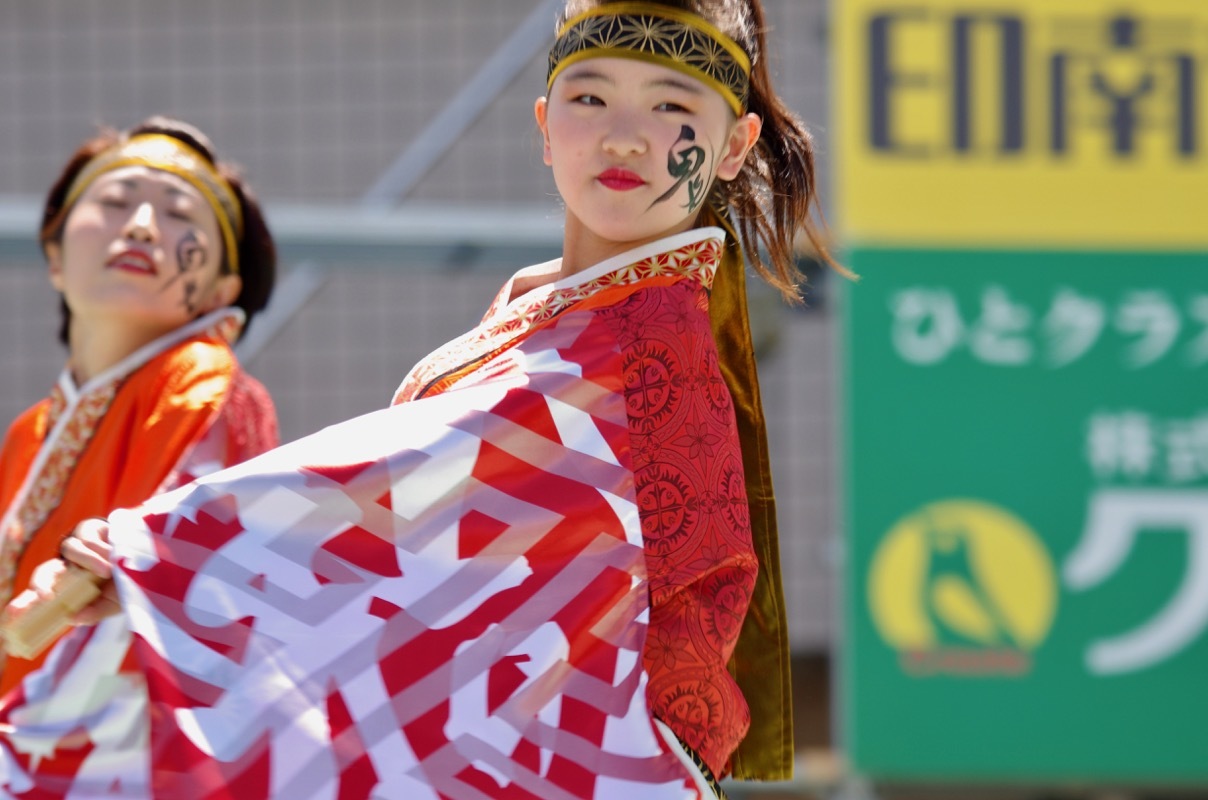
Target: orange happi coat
174, 410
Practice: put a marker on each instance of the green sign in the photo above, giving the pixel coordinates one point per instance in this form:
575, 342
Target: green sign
1027, 516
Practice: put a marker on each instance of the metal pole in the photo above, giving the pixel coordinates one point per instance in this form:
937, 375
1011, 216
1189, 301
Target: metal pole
531, 36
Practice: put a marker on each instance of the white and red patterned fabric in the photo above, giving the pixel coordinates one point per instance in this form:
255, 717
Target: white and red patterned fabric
688, 463
393, 607
448, 598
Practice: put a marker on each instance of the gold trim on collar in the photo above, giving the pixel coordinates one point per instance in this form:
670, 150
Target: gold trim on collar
665, 36
167, 153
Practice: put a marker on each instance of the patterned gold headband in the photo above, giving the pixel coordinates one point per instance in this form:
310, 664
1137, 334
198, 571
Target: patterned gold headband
167, 153
666, 36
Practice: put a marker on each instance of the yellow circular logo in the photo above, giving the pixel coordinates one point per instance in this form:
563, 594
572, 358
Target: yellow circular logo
962, 586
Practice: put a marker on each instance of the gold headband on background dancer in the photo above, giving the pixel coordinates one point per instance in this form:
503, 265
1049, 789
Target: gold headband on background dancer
665, 36
167, 153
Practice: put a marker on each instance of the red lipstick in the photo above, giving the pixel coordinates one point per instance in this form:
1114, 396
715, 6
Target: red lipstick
133, 261
621, 180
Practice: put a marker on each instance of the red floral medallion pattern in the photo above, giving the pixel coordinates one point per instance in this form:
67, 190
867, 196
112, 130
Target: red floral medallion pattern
693, 506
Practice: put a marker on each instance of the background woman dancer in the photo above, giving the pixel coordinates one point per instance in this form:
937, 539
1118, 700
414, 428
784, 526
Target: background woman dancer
161, 257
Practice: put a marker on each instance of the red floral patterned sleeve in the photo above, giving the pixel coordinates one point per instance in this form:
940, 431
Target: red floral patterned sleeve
695, 519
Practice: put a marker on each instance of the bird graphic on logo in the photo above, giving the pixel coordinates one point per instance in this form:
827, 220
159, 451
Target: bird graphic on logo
962, 586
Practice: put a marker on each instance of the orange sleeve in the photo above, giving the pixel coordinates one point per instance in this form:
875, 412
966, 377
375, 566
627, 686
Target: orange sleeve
158, 414
169, 410
21, 445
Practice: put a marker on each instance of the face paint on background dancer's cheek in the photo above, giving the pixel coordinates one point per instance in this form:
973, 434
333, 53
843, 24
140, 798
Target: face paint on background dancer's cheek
685, 166
190, 259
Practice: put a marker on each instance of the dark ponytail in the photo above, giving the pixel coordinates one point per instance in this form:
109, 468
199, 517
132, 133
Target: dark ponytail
775, 197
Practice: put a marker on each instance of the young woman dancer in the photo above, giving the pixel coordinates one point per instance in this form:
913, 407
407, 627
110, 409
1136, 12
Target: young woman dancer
665, 135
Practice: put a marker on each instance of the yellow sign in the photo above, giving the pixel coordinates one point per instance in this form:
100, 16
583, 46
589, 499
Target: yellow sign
965, 587
1023, 123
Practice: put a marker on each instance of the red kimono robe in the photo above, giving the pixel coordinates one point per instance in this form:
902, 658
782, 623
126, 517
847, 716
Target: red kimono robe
687, 464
